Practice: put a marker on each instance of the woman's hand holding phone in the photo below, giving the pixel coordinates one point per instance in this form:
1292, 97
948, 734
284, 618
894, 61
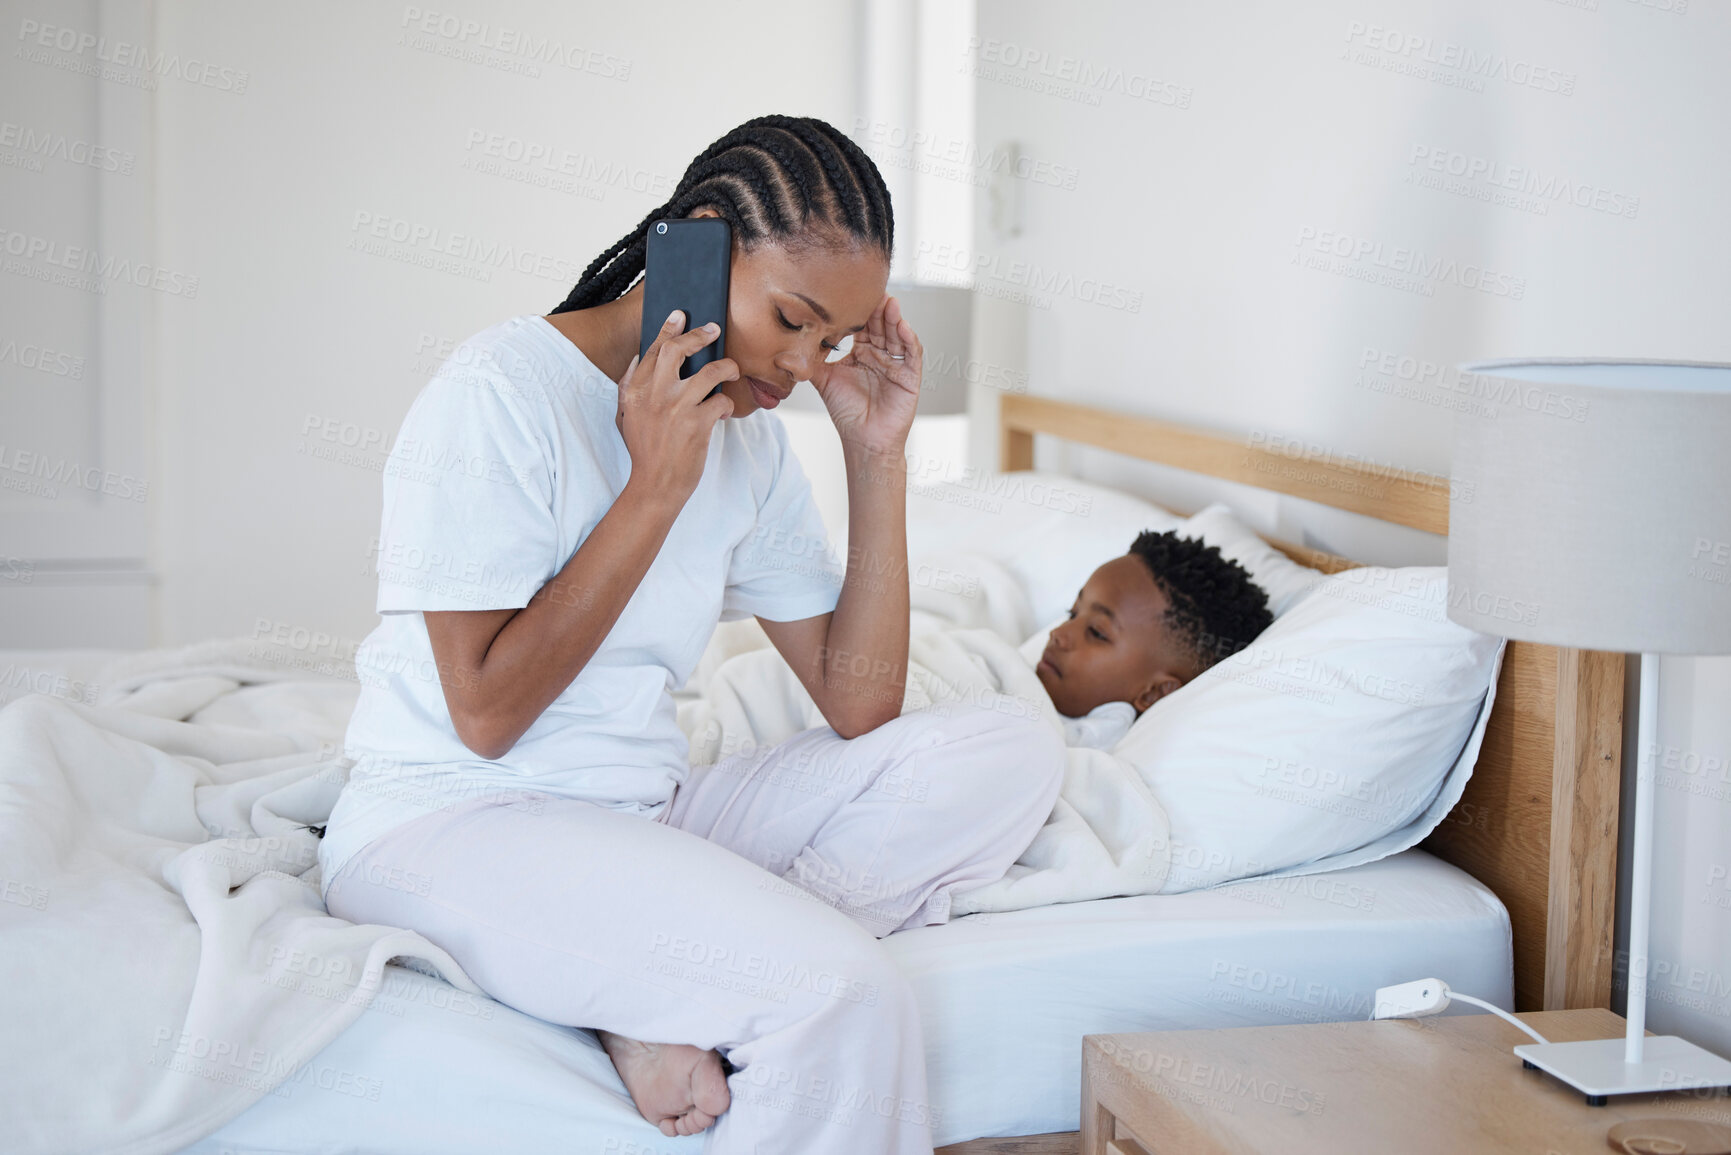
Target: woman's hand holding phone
667, 421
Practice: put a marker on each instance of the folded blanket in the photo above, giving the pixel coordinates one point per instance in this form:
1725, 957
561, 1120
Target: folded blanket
1107, 835
162, 920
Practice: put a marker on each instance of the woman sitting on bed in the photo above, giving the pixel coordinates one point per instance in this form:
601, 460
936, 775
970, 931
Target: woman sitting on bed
516, 744
1142, 626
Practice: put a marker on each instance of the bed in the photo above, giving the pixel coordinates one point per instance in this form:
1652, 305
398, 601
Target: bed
1511, 899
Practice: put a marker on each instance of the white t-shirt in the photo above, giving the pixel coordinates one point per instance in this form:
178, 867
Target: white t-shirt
505, 463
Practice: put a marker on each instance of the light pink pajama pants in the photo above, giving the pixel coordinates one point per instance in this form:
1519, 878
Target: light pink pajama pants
745, 919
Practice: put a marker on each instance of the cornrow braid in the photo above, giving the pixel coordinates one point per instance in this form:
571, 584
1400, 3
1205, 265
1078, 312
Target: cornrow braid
1216, 609
780, 178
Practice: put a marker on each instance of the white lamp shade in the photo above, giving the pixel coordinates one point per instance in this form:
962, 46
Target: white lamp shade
943, 316
1591, 505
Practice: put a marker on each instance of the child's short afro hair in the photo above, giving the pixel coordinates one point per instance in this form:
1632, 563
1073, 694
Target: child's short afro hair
1216, 609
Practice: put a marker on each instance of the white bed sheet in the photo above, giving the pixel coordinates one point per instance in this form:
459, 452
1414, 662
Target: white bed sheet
1006, 1001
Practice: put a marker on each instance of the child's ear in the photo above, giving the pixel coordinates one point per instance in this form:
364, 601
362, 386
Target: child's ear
1164, 683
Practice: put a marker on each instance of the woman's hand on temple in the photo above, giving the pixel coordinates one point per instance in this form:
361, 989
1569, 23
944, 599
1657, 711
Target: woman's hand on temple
871, 393
665, 420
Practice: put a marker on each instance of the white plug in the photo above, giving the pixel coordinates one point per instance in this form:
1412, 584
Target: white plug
1412, 1000
1431, 997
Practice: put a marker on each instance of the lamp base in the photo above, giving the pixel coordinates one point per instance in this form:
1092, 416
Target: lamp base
1595, 1067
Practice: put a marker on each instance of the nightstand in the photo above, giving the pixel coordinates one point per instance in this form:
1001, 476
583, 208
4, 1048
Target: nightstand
1447, 1085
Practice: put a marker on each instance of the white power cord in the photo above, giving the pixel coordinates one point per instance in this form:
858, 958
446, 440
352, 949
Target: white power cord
1432, 997
1495, 1010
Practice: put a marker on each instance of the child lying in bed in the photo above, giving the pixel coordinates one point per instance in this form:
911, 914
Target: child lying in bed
1142, 626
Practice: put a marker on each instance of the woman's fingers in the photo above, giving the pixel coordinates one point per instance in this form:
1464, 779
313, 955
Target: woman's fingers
673, 339
672, 350
898, 347
667, 356
874, 330
697, 386
670, 329
688, 343
910, 340
891, 312
721, 405
875, 357
662, 384
884, 343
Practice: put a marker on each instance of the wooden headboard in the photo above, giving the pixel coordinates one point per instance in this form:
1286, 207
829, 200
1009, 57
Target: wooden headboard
1538, 822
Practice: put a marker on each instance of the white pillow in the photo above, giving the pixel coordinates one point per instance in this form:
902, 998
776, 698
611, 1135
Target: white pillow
1416, 831
1050, 531
1286, 582
1330, 734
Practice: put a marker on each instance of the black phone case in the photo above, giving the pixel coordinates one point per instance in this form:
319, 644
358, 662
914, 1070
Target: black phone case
688, 263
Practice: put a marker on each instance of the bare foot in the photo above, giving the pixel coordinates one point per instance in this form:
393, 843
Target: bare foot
678, 1088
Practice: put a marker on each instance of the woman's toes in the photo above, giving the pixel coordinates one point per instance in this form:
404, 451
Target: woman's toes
694, 1121
709, 1093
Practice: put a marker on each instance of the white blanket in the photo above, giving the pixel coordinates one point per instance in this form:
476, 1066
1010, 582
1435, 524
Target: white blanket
165, 948
1107, 834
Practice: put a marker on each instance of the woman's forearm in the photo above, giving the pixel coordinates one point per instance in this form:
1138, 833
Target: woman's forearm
866, 652
547, 643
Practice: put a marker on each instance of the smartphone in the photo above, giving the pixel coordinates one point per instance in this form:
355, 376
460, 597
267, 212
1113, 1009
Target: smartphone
687, 264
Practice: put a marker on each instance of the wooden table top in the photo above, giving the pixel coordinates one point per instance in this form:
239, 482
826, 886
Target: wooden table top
1447, 1084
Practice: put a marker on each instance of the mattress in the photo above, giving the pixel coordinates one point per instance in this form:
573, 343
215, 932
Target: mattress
1006, 999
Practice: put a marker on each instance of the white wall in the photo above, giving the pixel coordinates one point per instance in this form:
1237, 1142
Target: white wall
80, 290
1225, 142
355, 113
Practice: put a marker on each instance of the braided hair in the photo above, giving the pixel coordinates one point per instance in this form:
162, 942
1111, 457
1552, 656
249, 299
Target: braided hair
1215, 608
781, 178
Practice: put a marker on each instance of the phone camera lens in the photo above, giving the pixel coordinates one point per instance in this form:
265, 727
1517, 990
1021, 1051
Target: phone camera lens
661, 228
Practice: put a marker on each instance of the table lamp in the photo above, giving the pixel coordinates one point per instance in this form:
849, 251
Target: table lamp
1591, 508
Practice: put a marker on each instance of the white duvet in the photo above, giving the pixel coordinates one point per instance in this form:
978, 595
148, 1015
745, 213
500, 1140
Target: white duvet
1107, 834
166, 954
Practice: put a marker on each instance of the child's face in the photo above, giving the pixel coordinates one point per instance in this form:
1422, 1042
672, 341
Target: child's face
1115, 647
